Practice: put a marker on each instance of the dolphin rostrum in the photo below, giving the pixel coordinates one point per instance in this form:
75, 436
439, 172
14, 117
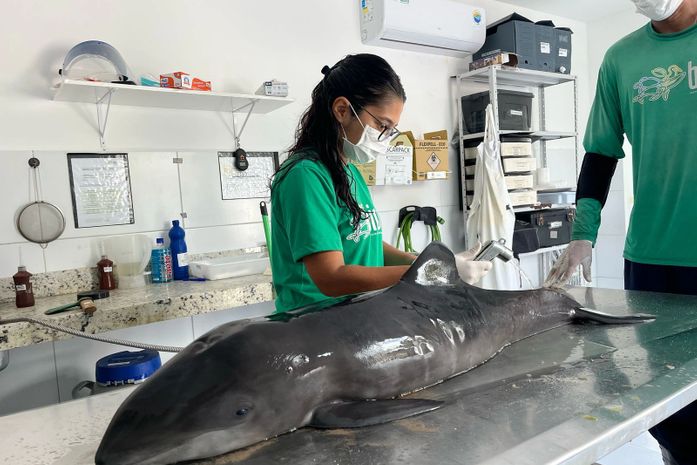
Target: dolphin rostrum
343, 366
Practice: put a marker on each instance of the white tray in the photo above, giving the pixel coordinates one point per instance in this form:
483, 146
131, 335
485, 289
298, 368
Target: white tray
229, 267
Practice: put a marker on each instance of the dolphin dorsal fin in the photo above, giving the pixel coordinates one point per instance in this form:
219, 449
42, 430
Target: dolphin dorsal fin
435, 266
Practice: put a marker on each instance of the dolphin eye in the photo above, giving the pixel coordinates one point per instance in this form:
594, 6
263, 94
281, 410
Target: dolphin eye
243, 411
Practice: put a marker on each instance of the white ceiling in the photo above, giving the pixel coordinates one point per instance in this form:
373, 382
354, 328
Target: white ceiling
583, 10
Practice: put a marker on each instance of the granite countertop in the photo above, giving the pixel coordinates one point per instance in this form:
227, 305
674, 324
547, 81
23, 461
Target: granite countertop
133, 307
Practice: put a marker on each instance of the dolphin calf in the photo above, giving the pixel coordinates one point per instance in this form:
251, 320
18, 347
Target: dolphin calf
343, 366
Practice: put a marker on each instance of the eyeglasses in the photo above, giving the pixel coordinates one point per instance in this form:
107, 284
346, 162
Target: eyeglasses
388, 133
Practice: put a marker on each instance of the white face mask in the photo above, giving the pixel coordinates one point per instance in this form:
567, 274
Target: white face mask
657, 10
368, 146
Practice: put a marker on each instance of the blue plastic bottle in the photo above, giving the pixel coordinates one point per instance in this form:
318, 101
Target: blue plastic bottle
161, 262
180, 260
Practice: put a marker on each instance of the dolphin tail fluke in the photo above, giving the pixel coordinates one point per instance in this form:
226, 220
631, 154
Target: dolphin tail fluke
356, 414
594, 316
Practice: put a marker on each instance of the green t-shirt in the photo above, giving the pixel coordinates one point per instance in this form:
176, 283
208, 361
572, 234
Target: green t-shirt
647, 89
307, 217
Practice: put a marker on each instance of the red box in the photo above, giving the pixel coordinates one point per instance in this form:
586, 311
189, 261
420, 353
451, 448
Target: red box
181, 80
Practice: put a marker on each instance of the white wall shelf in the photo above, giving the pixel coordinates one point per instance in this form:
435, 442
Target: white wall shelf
143, 96
104, 94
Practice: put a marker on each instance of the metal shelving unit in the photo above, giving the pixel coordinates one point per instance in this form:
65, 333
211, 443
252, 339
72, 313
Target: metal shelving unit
495, 77
499, 75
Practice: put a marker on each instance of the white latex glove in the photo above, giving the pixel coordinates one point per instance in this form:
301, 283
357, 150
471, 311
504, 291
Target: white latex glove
471, 271
577, 253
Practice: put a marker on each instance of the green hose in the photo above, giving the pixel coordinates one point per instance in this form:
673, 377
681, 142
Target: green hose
405, 232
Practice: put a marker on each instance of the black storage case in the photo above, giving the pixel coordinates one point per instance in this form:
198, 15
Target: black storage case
515, 110
553, 225
538, 46
525, 238
514, 33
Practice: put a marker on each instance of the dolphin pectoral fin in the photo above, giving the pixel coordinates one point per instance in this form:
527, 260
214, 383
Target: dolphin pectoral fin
356, 414
590, 315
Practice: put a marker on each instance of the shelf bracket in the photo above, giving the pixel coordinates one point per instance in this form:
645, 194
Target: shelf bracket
235, 134
103, 105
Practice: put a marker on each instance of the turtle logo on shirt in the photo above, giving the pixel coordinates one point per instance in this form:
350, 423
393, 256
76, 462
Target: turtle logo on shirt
659, 85
368, 226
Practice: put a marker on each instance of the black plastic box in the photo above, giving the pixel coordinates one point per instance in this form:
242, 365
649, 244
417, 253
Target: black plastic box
540, 46
553, 225
514, 33
515, 110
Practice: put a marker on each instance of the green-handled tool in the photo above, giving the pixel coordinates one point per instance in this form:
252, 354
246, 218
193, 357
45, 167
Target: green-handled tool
267, 225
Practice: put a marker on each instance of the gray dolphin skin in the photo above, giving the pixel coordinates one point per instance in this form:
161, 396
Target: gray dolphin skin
342, 366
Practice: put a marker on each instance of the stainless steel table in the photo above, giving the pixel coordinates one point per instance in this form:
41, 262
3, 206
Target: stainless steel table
570, 395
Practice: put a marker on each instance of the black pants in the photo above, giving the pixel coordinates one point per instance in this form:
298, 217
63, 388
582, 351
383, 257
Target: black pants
676, 434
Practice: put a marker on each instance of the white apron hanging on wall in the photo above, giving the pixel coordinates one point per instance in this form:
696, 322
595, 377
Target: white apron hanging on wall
491, 217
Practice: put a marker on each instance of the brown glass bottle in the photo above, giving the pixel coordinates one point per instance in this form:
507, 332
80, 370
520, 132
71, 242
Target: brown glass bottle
23, 288
105, 270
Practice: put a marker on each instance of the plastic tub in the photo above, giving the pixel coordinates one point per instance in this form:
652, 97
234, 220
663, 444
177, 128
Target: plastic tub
229, 267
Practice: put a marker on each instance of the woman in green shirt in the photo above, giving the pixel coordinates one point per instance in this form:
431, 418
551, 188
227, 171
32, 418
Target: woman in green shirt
326, 233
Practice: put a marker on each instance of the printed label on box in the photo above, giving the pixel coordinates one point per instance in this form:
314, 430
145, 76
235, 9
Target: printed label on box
433, 161
563, 52
437, 175
516, 113
545, 47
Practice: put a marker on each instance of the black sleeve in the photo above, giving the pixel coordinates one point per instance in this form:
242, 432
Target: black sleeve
595, 178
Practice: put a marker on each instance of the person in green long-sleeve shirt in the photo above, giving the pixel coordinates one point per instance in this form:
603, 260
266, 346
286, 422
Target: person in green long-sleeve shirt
647, 90
326, 232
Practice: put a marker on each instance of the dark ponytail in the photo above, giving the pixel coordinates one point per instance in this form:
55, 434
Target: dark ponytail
364, 79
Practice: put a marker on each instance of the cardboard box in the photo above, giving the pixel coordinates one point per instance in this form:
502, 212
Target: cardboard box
524, 197
471, 153
273, 88
502, 58
523, 181
519, 165
181, 80
516, 148
395, 167
430, 155
367, 170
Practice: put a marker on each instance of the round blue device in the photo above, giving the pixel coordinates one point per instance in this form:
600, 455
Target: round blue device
127, 367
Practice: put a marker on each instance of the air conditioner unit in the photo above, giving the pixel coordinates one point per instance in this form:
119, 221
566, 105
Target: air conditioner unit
444, 27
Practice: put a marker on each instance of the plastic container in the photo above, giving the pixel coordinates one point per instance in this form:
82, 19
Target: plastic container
230, 267
131, 255
24, 293
105, 270
119, 370
515, 112
180, 259
161, 262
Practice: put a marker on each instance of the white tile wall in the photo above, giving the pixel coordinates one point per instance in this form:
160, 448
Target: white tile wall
203, 198
609, 256
32, 256
29, 381
231, 237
